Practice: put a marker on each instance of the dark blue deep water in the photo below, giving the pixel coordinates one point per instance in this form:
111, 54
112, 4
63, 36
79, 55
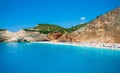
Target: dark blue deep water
49, 58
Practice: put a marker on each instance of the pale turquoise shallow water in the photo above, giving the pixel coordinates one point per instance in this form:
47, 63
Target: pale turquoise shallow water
50, 58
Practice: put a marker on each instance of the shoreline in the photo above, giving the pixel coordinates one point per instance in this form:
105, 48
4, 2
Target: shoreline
111, 46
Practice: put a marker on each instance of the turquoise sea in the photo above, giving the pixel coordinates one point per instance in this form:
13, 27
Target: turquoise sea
51, 58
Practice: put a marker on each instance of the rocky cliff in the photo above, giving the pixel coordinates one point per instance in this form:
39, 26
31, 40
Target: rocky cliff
21, 36
54, 35
5, 35
105, 28
31, 36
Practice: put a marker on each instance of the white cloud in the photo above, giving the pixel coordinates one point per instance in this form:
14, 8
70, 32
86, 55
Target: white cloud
83, 18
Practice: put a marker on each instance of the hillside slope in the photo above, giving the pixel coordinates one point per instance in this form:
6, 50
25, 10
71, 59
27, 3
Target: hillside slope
105, 29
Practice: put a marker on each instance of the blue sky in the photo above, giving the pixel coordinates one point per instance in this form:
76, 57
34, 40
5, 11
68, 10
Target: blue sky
19, 14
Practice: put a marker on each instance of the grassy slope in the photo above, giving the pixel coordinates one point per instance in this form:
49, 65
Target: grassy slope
48, 28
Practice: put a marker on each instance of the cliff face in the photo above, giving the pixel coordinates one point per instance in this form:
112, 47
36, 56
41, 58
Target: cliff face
21, 36
54, 36
31, 36
5, 35
105, 28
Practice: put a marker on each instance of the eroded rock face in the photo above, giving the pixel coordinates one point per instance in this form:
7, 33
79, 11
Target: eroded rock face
21, 36
31, 36
105, 28
64, 38
54, 36
5, 35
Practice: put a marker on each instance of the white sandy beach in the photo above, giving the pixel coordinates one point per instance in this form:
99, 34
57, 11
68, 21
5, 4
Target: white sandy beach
111, 46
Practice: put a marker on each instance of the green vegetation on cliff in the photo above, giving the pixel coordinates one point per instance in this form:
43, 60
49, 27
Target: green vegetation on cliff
76, 27
49, 28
